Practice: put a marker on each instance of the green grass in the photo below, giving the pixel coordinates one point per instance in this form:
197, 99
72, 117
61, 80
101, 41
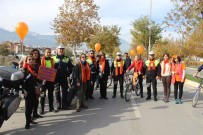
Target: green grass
191, 78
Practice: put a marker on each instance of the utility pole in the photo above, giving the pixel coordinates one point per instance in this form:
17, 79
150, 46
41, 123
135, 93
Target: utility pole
150, 17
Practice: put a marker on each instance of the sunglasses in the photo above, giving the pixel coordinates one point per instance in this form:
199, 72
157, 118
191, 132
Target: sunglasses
91, 53
118, 55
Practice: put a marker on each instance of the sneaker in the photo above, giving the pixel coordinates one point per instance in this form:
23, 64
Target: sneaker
155, 99
180, 102
114, 96
122, 96
176, 101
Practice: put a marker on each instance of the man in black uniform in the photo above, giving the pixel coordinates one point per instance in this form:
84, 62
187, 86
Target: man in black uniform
64, 68
117, 70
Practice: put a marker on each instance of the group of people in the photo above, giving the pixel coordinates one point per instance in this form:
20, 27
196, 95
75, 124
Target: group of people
86, 72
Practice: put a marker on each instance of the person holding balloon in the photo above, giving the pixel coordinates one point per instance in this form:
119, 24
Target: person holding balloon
117, 71
138, 69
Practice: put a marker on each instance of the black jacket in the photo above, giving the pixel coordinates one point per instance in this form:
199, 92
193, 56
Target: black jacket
127, 63
106, 70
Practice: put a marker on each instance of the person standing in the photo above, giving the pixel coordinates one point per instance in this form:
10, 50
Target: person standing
117, 70
48, 62
82, 76
178, 78
64, 68
30, 83
127, 61
138, 69
104, 73
93, 71
166, 76
152, 72
37, 62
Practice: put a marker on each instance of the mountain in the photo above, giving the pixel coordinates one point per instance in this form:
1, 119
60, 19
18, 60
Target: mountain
34, 39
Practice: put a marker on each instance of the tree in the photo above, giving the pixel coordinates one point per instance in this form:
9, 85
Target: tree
76, 21
117, 49
140, 32
166, 46
195, 41
107, 36
184, 18
4, 49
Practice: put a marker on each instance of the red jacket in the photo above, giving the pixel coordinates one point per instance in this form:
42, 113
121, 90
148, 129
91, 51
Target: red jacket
138, 66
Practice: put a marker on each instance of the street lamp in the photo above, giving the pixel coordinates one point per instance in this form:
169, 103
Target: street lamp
150, 14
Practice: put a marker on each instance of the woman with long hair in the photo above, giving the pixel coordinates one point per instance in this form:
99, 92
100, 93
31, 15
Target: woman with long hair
178, 78
166, 76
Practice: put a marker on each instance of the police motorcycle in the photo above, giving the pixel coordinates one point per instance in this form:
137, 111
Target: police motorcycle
11, 81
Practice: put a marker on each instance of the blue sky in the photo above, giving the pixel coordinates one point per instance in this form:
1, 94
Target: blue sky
39, 14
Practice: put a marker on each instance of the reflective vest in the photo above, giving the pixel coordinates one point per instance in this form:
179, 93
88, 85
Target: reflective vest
119, 63
47, 63
56, 60
148, 61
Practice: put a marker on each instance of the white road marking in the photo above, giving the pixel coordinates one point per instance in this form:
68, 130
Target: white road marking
134, 106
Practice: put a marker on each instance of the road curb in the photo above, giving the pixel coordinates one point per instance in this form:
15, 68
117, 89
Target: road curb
191, 83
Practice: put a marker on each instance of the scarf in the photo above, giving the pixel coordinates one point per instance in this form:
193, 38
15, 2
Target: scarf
121, 67
85, 72
102, 63
44, 62
31, 70
152, 62
165, 62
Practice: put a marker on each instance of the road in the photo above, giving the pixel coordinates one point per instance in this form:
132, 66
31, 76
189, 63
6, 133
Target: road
117, 117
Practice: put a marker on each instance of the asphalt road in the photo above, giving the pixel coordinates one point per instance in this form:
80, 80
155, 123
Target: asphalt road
117, 117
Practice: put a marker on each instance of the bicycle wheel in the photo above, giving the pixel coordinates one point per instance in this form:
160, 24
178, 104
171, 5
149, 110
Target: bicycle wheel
137, 89
109, 82
128, 92
196, 97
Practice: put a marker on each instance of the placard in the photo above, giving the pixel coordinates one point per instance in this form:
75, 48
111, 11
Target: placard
47, 74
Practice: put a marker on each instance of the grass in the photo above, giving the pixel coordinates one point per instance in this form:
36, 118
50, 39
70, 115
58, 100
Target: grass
191, 78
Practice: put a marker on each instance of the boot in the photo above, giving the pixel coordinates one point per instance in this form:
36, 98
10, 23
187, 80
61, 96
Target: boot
27, 126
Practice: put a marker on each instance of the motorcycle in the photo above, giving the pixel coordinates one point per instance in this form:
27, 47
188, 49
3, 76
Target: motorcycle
11, 81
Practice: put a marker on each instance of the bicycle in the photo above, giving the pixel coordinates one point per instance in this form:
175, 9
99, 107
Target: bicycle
128, 86
137, 87
197, 93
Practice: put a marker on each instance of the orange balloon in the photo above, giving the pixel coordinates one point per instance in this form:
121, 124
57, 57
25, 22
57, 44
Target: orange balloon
140, 49
21, 30
97, 47
132, 52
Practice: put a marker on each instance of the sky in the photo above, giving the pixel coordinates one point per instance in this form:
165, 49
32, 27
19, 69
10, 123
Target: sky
39, 14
